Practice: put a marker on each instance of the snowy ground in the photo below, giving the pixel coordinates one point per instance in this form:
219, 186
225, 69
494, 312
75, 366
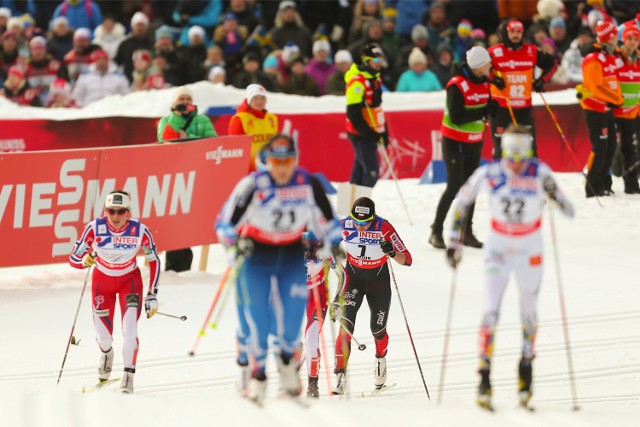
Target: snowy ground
598, 252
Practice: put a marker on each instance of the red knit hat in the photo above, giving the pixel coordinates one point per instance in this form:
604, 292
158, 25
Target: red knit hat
97, 54
606, 30
630, 30
514, 24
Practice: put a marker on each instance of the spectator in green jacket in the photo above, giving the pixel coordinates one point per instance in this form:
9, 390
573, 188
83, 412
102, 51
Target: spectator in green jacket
184, 120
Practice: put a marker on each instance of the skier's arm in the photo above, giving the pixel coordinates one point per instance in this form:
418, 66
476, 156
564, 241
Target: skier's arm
554, 193
547, 63
355, 104
82, 248
465, 198
402, 255
151, 255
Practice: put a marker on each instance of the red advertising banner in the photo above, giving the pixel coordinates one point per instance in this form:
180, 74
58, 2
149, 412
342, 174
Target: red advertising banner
321, 137
47, 197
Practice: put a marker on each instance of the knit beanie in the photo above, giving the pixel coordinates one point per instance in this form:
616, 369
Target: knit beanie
464, 28
417, 57
255, 90
477, 56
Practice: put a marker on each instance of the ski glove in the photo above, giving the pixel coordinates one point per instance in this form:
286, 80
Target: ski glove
454, 256
384, 139
498, 82
387, 248
89, 260
538, 85
150, 305
492, 107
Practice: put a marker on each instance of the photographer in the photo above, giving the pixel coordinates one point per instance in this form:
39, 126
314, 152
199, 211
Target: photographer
184, 120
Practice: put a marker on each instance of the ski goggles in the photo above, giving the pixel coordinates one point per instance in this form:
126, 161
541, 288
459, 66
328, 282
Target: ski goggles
361, 221
371, 58
281, 161
120, 211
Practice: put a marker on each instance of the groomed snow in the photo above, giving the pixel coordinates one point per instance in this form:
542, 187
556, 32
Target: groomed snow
598, 252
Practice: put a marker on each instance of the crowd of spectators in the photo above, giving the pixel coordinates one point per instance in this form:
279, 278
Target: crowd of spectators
52, 52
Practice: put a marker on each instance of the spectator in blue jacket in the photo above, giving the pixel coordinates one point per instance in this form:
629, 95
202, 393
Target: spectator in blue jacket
202, 13
19, 8
417, 78
409, 13
80, 13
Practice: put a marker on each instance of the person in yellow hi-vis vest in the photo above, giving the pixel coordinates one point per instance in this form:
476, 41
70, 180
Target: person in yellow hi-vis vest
366, 126
252, 118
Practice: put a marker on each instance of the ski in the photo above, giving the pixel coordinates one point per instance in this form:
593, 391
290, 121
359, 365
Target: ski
525, 405
487, 406
376, 391
99, 385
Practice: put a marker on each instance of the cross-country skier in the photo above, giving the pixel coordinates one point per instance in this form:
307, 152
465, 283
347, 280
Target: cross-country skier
369, 239
517, 185
265, 217
111, 243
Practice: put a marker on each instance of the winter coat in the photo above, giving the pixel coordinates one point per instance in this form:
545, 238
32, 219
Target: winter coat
408, 15
207, 18
261, 124
320, 72
191, 60
300, 85
169, 127
410, 81
85, 13
572, 63
92, 86
59, 46
336, 84
243, 79
109, 42
124, 55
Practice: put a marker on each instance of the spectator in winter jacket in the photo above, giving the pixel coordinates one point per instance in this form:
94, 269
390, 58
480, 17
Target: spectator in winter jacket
572, 58
5, 14
109, 35
60, 38
443, 67
409, 14
230, 36
184, 120
215, 58
102, 80
364, 11
192, 57
41, 68
16, 88
289, 27
145, 75
165, 57
298, 82
320, 67
80, 13
252, 118
137, 40
463, 41
78, 59
438, 26
558, 33
251, 74
420, 38
8, 52
418, 78
202, 13
59, 95
391, 40
243, 10
336, 84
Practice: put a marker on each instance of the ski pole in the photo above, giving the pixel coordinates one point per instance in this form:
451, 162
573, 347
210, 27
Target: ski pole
395, 180
183, 318
566, 142
563, 311
75, 319
223, 304
361, 347
320, 319
202, 330
445, 350
406, 322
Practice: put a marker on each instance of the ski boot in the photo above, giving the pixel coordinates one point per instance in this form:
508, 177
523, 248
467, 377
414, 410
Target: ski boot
312, 388
289, 378
341, 382
257, 390
126, 384
105, 364
243, 378
525, 377
380, 372
484, 390
471, 240
437, 241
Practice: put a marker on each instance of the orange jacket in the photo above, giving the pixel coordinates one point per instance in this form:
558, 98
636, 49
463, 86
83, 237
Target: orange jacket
599, 78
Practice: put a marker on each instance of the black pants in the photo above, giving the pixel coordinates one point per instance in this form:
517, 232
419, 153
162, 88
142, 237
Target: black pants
365, 164
500, 122
461, 159
627, 130
375, 284
602, 134
179, 260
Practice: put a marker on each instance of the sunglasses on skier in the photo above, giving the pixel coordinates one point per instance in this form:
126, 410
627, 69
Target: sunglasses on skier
361, 221
121, 211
